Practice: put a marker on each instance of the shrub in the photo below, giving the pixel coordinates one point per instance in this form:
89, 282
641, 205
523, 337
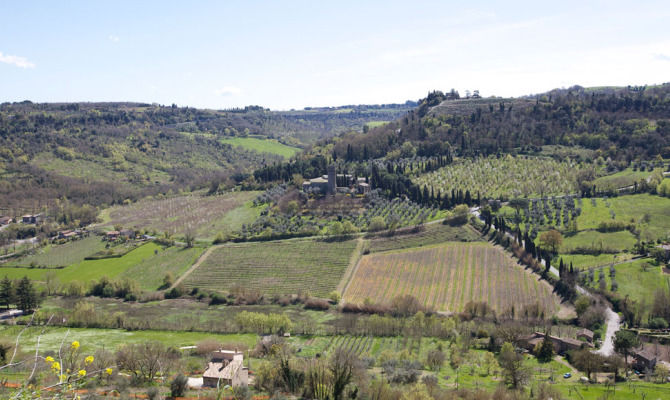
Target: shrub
334, 297
178, 386
175, 292
658, 323
216, 299
317, 304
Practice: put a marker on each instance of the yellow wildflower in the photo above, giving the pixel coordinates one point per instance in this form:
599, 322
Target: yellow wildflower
55, 366
75, 345
49, 359
63, 377
82, 372
88, 360
108, 371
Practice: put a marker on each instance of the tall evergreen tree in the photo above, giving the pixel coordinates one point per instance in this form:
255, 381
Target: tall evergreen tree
25, 295
6, 292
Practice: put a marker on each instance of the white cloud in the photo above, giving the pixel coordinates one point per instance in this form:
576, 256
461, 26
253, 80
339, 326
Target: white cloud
20, 62
113, 38
228, 91
662, 57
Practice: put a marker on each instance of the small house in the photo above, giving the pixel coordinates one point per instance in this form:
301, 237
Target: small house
585, 334
561, 345
644, 359
112, 235
226, 368
32, 218
129, 233
68, 234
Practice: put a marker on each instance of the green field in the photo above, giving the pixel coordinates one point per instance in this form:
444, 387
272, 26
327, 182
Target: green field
278, 267
92, 339
583, 261
87, 269
619, 241
262, 146
621, 179
630, 208
431, 234
150, 272
205, 216
633, 281
63, 254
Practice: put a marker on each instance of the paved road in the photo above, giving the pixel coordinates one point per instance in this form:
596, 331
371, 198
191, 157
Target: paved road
613, 325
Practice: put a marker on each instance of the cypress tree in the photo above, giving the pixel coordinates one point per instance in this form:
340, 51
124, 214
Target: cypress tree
26, 296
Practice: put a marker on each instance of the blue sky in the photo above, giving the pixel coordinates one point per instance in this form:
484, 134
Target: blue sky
292, 54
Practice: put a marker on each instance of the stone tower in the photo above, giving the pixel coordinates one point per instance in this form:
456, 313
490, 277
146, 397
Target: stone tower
332, 180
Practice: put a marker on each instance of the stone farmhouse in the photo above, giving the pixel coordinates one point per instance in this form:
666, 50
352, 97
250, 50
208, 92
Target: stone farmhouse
226, 368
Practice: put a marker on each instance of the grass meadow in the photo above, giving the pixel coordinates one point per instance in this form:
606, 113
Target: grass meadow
630, 208
262, 145
63, 254
133, 263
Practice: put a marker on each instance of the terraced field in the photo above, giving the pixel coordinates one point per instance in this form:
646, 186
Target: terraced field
280, 267
449, 276
431, 234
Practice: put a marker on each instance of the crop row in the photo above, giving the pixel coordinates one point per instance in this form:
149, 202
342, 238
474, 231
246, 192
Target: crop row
281, 267
448, 277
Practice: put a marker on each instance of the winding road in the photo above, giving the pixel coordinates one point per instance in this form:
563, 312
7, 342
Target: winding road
612, 319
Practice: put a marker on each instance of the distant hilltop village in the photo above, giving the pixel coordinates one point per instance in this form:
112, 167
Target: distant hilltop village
327, 184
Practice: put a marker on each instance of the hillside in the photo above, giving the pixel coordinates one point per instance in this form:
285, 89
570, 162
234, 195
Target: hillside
104, 153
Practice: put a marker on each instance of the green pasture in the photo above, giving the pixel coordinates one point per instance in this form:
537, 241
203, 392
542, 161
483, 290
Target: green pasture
59, 255
262, 145
88, 269
650, 212
93, 339
620, 241
149, 272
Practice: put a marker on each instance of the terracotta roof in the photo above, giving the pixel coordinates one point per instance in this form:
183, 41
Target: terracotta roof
217, 370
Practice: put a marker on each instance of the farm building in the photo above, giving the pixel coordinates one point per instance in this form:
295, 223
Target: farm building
644, 359
129, 233
112, 235
5, 220
561, 345
32, 218
226, 368
585, 334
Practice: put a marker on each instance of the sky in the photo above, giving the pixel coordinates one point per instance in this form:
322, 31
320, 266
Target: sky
292, 54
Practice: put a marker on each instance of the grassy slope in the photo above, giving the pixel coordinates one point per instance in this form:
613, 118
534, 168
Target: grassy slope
623, 240
150, 272
262, 146
635, 282
64, 254
623, 178
627, 208
87, 269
